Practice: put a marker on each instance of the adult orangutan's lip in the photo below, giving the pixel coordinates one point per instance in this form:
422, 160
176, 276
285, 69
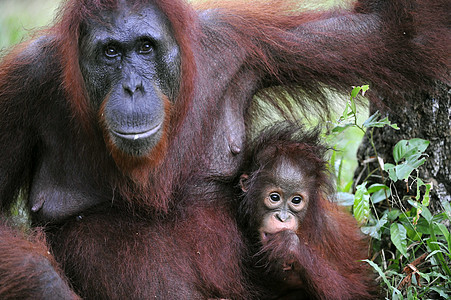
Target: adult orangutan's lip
137, 135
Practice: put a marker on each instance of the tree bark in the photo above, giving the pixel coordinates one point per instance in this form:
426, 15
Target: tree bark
427, 116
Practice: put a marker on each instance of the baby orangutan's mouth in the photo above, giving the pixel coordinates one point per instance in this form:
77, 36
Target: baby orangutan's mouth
288, 237
287, 267
265, 236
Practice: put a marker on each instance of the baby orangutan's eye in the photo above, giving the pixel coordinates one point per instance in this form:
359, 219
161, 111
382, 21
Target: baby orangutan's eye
274, 197
296, 200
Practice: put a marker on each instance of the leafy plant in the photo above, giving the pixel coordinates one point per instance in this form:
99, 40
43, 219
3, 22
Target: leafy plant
411, 245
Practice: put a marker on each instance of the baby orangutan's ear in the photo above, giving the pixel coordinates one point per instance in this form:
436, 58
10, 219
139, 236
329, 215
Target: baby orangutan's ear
244, 182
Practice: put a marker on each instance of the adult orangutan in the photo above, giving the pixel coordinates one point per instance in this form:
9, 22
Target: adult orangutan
106, 117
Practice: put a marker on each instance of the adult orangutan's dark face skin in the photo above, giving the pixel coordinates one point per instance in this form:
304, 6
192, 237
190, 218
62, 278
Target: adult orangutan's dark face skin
130, 63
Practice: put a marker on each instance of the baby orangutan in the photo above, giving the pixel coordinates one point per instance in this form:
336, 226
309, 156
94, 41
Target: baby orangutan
283, 200
304, 246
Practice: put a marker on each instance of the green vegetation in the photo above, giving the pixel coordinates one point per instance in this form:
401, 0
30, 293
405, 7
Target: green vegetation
20, 17
411, 246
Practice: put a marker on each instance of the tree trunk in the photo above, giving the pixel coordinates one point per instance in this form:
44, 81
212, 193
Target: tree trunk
428, 116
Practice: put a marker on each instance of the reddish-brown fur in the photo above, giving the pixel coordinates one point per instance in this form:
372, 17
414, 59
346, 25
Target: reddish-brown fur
28, 269
324, 261
115, 249
67, 31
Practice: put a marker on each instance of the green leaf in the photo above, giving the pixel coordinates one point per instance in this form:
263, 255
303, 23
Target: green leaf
423, 226
361, 207
344, 199
426, 213
381, 273
400, 150
420, 183
392, 175
374, 121
341, 128
371, 120
433, 253
353, 107
391, 169
420, 144
365, 88
394, 126
411, 290
412, 233
345, 114
397, 295
347, 187
437, 274
427, 196
378, 192
445, 233
355, 91
398, 236
380, 196
439, 217
393, 214
407, 148
442, 291
374, 231
377, 187
425, 276
404, 170
388, 166
447, 206
380, 123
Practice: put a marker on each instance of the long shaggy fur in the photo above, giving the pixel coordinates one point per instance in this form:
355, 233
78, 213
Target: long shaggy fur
28, 270
325, 252
229, 52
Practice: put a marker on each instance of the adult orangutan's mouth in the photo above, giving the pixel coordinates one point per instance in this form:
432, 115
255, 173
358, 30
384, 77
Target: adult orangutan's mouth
137, 135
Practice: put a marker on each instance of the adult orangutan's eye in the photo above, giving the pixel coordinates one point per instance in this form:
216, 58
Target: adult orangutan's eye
146, 47
111, 51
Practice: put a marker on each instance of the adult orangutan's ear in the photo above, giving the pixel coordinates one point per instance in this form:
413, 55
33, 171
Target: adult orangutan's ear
244, 182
